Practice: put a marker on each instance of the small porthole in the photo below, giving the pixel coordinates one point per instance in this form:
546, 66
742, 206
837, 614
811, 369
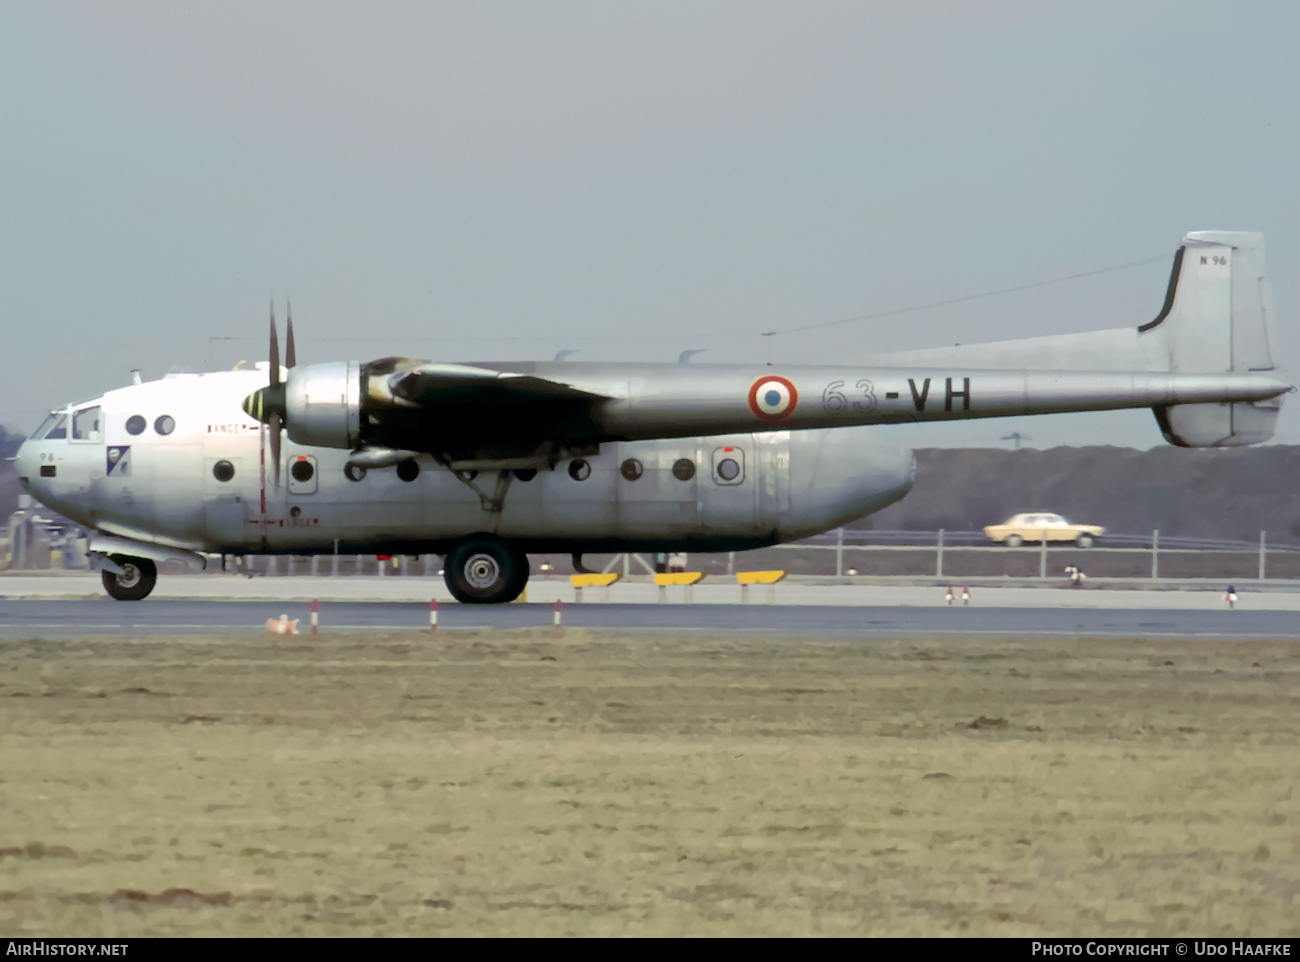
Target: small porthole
136, 424
354, 472
683, 469
165, 424
728, 469
579, 469
295, 512
631, 469
302, 470
408, 470
223, 471
525, 474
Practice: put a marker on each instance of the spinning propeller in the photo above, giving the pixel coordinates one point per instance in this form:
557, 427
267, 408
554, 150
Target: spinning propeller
268, 404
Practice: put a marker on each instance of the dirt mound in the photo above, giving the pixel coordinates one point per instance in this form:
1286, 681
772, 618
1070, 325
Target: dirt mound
1229, 493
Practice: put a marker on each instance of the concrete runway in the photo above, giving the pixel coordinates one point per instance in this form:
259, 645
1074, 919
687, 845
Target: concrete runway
48, 618
1189, 596
74, 603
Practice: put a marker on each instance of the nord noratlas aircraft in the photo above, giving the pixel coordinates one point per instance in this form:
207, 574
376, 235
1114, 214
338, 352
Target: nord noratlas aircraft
485, 463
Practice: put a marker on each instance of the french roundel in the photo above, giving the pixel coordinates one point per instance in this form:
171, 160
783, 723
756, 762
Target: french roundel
773, 398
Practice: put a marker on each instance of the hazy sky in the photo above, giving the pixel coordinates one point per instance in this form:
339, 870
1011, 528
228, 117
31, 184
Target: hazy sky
504, 180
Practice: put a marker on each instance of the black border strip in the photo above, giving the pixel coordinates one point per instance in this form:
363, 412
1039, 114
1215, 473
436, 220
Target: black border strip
1169, 294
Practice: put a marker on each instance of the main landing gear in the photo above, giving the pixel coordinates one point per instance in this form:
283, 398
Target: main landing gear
137, 579
484, 570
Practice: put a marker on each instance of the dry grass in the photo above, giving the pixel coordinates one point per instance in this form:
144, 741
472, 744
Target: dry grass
597, 784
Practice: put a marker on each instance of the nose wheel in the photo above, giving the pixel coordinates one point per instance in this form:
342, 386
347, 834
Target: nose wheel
137, 579
485, 571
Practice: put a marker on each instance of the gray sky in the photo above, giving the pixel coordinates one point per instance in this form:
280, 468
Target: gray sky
503, 180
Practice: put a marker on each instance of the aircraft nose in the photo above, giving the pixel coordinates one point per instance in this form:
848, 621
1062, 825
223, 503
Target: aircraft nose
25, 460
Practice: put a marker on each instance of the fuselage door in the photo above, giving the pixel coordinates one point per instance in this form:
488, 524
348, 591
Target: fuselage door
86, 461
772, 460
728, 496
231, 486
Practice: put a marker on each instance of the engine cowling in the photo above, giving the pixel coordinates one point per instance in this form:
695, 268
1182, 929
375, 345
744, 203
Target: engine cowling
323, 404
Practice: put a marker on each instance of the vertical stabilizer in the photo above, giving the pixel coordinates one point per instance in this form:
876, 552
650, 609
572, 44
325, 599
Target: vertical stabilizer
1218, 316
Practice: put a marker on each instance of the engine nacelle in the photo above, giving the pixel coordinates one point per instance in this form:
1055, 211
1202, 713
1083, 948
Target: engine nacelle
323, 404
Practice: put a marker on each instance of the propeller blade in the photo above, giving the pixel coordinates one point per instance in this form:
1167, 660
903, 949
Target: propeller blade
290, 355
275, 444
275, 350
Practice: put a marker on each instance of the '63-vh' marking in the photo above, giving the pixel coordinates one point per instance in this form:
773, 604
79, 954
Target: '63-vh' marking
837, 398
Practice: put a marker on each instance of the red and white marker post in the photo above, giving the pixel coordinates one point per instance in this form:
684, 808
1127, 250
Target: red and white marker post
433, 614
315, 616
557, 624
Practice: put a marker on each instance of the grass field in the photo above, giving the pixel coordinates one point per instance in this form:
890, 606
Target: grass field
601, 784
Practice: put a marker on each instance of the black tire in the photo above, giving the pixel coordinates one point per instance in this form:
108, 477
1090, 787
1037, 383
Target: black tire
140, 576
1013, 541
1084, 541
485, 571
522, 572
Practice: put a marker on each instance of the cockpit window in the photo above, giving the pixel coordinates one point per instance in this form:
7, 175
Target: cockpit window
58, 431
45, 426
85, 424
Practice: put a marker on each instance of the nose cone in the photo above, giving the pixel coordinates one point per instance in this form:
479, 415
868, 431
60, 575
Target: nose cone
25, 462
841, 474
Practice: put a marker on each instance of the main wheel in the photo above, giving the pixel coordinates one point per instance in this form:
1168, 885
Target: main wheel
522, 572
485, 571
1014, 541
137, 579
1084, 541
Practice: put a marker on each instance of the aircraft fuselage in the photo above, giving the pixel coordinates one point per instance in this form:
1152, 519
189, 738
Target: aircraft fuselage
207, 484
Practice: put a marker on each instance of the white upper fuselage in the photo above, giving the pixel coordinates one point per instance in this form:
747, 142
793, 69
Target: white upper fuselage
176, 462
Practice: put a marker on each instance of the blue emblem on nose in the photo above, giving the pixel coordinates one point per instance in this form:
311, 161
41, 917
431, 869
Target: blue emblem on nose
772, 398
119, 461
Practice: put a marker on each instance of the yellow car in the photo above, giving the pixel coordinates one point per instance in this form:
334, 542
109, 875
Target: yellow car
1042, 527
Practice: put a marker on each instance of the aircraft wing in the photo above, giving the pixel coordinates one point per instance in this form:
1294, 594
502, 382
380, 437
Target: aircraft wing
464, 412
428, 386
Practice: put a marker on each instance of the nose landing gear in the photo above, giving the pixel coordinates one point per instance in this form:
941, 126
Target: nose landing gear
138, 577
484, 570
